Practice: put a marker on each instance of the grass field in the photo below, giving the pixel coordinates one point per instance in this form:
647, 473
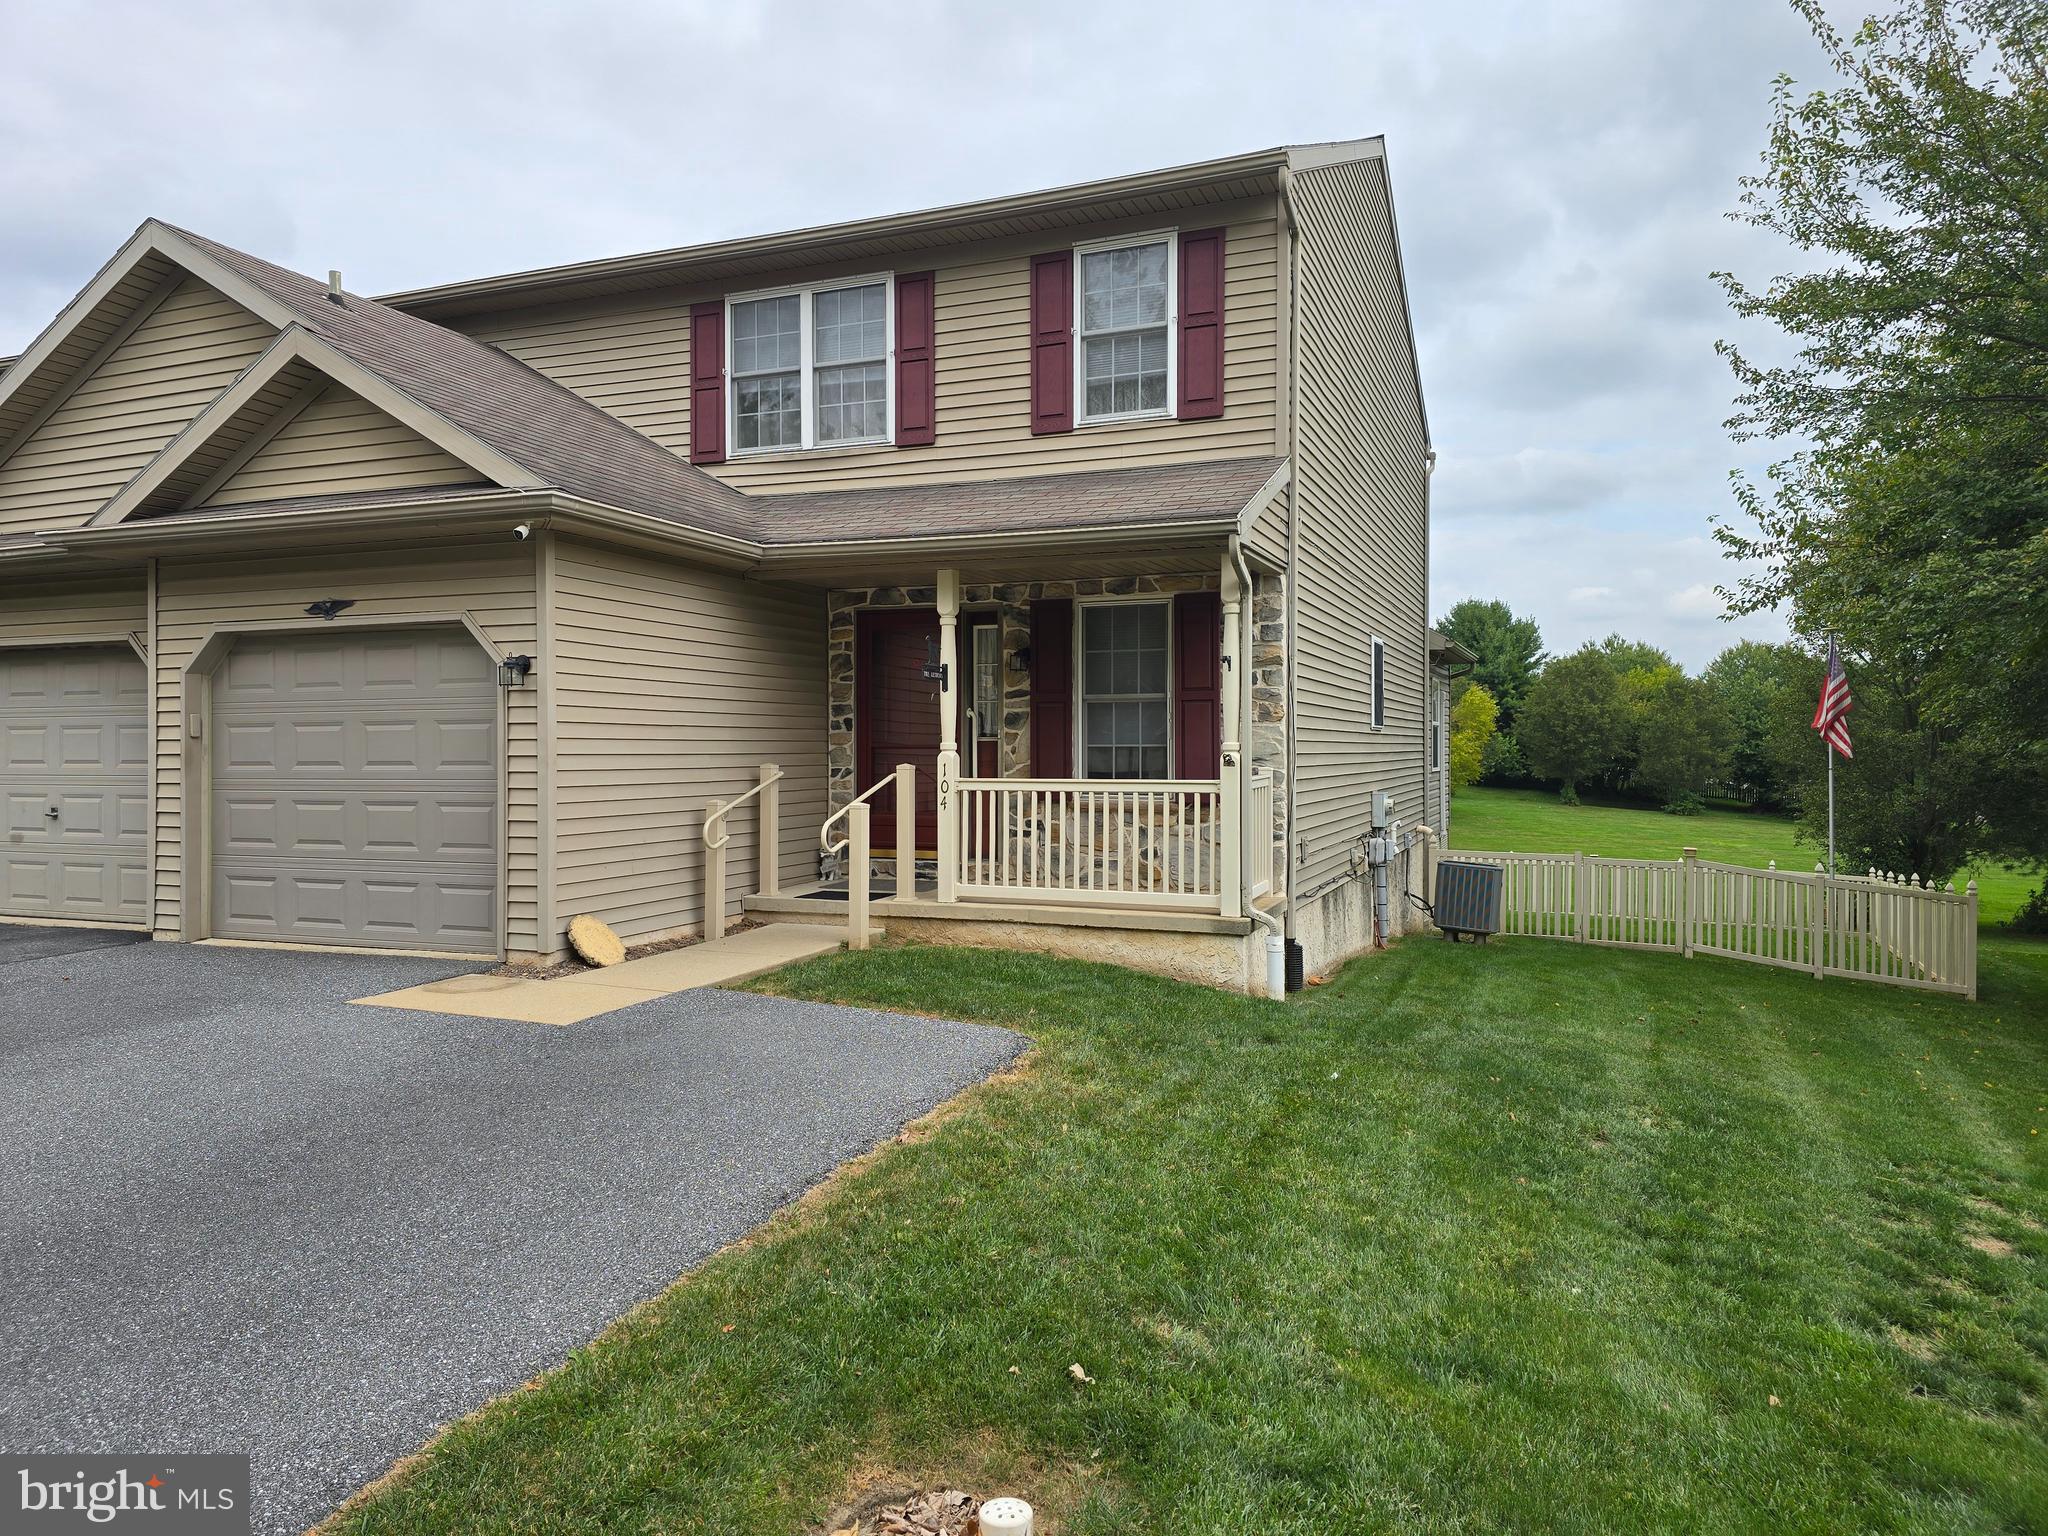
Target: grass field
1536, 821
1523, 1237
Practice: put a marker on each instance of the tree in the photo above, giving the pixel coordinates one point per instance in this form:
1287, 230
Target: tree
1682, 736
1573, 720
1502, 761
1913, 520
1756, 685
1472, 731
1627, 656
1510, 651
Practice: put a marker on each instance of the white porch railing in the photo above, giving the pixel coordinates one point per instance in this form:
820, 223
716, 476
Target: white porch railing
1887, 928
1258, 818
1142, 842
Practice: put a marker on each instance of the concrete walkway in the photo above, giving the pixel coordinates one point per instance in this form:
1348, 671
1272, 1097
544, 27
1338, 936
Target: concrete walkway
720, 962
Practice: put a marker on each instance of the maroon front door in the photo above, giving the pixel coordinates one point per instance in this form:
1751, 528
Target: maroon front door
897, 719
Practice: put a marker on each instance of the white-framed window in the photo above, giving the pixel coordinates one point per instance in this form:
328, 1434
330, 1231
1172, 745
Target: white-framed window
1125, 689
811, 367
1125, 306
1437, 758
1379, 683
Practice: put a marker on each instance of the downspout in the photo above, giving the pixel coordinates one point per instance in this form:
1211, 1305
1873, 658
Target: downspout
1276, 937
1290, 619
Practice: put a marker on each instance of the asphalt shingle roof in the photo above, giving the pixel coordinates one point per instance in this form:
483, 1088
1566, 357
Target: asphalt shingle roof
574, 446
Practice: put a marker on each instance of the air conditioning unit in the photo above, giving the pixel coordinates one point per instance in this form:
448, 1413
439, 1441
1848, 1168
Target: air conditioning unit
1468, 898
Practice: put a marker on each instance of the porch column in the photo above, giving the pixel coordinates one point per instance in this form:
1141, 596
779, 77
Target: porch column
949, 735
1231, 774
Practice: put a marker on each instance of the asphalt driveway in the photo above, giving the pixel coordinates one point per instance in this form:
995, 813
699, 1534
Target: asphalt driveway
237, 1213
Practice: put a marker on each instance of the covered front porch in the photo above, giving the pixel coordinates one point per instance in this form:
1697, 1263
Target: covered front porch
1081, 753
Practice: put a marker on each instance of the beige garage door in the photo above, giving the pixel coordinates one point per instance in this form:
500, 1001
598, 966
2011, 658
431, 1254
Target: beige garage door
355, 790
73, 759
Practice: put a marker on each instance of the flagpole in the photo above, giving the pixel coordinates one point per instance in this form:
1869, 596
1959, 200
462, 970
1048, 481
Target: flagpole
1831, 805
1828, 748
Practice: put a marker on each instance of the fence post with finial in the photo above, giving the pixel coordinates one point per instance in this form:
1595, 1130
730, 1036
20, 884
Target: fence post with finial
1820, 918
1970, 943
1688, 900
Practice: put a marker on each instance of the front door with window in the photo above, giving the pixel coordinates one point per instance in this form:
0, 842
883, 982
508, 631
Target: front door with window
897, 691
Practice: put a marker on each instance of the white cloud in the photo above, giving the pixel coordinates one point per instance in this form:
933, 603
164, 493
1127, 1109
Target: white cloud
1562, 172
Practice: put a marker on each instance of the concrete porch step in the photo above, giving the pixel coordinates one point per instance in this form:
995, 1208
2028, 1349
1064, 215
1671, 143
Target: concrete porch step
801, 907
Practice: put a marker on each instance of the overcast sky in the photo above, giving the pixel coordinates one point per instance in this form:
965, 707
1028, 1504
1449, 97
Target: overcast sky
1561, 174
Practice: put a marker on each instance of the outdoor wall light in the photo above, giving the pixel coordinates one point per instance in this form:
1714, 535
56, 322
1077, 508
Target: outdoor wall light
513, 671
1020, 659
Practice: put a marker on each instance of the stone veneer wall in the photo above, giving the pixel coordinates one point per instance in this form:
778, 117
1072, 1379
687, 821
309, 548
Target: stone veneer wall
1011, 602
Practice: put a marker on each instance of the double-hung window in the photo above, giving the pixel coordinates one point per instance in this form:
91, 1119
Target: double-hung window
1125, 690
1124, 302
810, 368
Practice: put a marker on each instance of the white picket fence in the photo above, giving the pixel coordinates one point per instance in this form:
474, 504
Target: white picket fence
1876, 927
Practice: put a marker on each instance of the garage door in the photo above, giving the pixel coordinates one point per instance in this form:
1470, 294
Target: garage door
355, 791
73, 759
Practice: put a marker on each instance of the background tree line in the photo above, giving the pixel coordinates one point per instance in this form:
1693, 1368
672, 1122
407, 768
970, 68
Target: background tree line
1910, 515
1621, 717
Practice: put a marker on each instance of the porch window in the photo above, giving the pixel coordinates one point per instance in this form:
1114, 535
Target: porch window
810, 367
1124, 690
1125, 303
988, 682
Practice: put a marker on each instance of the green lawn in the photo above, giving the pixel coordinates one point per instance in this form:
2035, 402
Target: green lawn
1518, 1237
1536, 821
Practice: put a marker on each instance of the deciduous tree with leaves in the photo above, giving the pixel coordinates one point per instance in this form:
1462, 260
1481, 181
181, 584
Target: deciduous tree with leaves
1913, 519
1574, 716
1510, 651
1472, 732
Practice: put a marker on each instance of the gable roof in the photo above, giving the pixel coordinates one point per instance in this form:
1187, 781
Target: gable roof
524, 432
556, 436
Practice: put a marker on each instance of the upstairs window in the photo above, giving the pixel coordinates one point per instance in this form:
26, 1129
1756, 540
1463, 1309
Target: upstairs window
1124, 304
1124, 690
810, 368
1379, 683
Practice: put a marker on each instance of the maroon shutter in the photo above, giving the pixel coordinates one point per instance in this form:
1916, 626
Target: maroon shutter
1052, 689
916, 384
1052, 342
1201, 324
1197, 685
707, 382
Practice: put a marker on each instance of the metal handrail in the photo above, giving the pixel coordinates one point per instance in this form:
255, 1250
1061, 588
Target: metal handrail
825, 832
717, 817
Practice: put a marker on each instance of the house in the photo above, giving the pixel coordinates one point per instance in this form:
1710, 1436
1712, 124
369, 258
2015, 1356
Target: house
436, 620
1448, 661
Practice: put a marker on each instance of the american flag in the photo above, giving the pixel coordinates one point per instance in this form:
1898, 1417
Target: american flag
1831, 716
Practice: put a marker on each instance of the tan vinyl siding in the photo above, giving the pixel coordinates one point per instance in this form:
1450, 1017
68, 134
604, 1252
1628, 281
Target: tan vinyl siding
494, 585
187, 351
67, 610
632, 358
337, 444
1361, 487
672, 685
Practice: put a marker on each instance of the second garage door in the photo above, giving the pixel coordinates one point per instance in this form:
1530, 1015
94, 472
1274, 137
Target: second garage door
355, 791
73, 753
